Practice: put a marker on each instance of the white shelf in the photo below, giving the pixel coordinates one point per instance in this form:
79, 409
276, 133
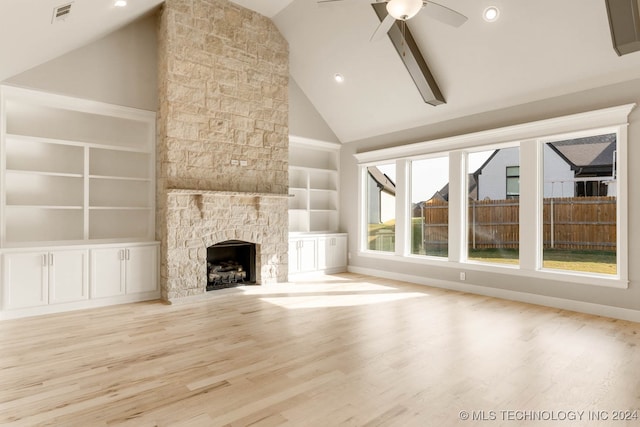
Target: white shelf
118, 208
310, 169
313, 181
118, 163
119, 223
33, 114
42, 157
31, 172
74, 170
68, 207
119, 178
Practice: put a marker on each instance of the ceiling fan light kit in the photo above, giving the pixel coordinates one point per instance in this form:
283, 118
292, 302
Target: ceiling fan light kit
404, 9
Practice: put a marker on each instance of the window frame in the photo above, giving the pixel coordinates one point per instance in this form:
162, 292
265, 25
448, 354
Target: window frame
363, 197
531, 137
622, 196
409, 188
507, 178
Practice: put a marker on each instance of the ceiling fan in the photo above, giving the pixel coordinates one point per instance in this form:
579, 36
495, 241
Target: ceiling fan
403, 10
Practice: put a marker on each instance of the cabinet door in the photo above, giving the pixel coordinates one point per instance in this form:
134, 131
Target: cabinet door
307, 254
324, 252
294, 266
107, 272
25, 280
338, 252
68, 276
141, 269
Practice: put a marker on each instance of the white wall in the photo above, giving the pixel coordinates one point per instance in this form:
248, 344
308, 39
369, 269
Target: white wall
618, 94
119, 68
304, 119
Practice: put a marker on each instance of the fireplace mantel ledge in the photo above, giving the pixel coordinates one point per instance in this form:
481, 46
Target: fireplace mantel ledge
177, 191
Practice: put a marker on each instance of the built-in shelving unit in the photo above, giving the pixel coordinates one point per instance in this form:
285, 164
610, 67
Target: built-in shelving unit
313, 183
74, 171
77, 195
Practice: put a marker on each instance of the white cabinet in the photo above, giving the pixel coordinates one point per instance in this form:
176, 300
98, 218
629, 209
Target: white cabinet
313, 183
302, 255
34, 279
125, 270
68, 276
107, 272
77, 199
141, 269
332, 253
326, 253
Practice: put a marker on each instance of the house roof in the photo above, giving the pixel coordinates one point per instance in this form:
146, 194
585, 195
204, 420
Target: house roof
443, 193
587, 153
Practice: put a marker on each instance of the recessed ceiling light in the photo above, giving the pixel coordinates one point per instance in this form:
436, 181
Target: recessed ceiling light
491, 14
120, 3
338, 77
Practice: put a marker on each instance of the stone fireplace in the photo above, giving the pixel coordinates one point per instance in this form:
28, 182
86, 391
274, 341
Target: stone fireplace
222, 153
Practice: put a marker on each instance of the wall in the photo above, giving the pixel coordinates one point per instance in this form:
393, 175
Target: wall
500, 284
304, 119
223, 74
119, 68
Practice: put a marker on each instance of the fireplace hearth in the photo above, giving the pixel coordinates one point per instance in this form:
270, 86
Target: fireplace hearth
230, 263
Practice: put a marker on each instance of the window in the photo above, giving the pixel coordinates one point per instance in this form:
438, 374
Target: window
579, 204
559, 215
430, 206
493, 216
513, 182
381, 207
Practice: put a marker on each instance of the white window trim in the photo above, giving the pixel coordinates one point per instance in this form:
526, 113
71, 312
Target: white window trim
531, 137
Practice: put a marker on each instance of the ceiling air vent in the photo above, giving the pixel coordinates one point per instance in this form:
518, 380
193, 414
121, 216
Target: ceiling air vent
60, 13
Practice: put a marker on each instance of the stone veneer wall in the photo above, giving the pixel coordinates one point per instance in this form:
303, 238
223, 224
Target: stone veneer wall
223, 86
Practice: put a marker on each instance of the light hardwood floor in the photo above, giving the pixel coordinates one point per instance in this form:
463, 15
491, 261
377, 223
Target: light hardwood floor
338, 350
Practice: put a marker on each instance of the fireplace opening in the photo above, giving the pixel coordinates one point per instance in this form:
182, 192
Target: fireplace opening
231, 263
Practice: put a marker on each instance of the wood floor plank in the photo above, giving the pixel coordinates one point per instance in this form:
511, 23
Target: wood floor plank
347, 350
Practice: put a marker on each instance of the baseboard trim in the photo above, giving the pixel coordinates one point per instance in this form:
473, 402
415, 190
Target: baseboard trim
78, 305
561, 303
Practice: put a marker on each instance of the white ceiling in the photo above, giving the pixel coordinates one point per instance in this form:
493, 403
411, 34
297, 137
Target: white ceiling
538, 49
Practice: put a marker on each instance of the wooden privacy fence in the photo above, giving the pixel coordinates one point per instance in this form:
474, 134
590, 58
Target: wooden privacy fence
582, 223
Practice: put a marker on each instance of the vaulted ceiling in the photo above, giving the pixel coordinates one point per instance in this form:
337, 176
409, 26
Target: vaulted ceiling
537, 49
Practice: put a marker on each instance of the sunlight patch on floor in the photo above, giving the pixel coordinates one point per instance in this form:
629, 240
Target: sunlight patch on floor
307, 288
351, 300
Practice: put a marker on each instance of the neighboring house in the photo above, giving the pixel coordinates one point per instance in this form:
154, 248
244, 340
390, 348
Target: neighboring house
442, 195
580, 167
382, 196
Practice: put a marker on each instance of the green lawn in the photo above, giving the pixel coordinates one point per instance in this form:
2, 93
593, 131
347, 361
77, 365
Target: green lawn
603, 262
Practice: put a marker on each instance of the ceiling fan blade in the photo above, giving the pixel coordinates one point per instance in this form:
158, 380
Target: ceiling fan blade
444, 14
383, 28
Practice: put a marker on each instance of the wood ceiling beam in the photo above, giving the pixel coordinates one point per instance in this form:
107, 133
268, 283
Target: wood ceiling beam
411, 57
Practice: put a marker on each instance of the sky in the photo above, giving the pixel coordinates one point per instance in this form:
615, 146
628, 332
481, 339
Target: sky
430, 175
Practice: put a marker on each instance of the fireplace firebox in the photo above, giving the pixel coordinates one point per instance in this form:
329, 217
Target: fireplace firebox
231, 263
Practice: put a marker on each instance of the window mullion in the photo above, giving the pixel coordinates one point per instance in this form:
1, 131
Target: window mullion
457, 207
530, 207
